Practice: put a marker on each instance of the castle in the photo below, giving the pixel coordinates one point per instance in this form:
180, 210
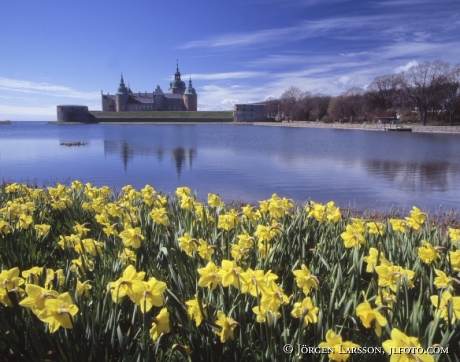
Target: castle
178, 98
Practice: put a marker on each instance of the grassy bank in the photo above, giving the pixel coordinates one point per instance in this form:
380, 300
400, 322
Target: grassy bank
162, 115
95, 274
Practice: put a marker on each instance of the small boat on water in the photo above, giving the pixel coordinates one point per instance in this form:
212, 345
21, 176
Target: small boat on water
5, 122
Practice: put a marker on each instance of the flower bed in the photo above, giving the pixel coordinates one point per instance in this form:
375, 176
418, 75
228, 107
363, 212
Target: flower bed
94, 274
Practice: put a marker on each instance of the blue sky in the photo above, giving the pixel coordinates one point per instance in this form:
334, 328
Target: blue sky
65, 52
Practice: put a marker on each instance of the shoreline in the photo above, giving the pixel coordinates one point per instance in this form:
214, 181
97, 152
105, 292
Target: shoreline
364, 127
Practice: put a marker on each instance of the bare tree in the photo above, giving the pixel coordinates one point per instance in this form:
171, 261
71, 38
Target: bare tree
289, 101
382, 93
450, 90
423, 83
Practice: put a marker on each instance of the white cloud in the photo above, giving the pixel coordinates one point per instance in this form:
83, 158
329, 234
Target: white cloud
25, 86
406, 67
227, 102
229, 75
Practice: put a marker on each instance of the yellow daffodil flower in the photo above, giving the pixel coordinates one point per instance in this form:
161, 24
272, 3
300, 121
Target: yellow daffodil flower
342, 349
188, 244
230, 273
160, 324
376, 228
428, 253
398, 225
263, 313
306, 309
227, 325
352, 237
152, 295
253, 282
400, 342
83, 288
442, 280
129, 284
371, 260
36, 297
194, 310
367, 315
390, 275
209, 276
446, 305
417, 218
132, 237
58, 312
305, 279
42, 230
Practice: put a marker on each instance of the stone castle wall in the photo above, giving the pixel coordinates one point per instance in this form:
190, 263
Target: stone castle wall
73, 114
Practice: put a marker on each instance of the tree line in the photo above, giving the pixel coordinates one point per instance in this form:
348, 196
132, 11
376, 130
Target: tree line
427, 92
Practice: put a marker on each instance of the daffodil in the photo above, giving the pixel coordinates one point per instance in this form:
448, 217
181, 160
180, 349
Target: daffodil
367, 315
209, 276
447, 307
390, 275
442, 280
455, 259
428, 253
385, 298
306, 309
228, 221
305, 279
454, 235
214, 201
127, 256
31, 275
376, 228
4, 228
188, 244
160, 324
129, 284
160, 216
227, 326
253, 282
10, 282
399, 348
80, 229
36, 297
204, 250
398, 225
151, 296
194, 310
58, 312
371, 260
183, 191
230, 273
24, 221
83, 288
132, 237
273, 297
342, 349
266, 315
353, 237
416, 219
42, 230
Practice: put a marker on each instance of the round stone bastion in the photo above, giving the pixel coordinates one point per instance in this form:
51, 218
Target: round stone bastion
72, 114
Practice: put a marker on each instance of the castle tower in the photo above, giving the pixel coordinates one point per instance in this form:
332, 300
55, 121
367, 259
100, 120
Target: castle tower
121, 98
190, 98
177, 86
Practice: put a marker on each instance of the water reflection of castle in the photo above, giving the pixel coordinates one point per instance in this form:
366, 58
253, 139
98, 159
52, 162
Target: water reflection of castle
128, 150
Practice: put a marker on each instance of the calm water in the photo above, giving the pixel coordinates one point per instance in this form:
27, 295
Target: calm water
364, 169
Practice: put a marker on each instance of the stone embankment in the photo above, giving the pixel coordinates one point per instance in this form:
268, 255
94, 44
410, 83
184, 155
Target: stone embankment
364, 127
